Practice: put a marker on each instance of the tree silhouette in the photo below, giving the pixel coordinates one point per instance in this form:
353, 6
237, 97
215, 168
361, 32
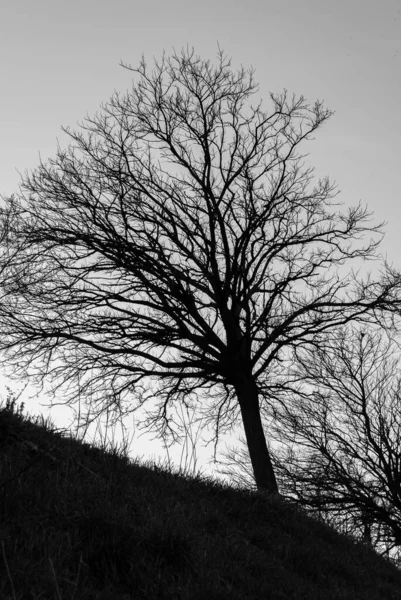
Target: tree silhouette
342, 434
179, 241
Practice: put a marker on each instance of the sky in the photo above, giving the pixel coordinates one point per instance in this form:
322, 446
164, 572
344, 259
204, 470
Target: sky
60, 60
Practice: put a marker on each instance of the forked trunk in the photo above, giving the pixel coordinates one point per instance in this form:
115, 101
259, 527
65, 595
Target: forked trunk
263, 471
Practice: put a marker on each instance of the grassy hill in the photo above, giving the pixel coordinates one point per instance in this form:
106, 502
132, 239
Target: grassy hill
77, 522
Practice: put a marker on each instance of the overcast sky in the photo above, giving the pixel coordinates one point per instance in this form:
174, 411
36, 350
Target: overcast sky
60, 60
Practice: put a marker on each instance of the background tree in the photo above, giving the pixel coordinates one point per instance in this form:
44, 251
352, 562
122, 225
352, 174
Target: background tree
342, 435
179, 241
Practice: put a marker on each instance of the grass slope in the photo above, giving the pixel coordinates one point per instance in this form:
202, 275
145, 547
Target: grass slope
77, 522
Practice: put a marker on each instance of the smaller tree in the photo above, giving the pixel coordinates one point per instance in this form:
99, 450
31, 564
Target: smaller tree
342, 435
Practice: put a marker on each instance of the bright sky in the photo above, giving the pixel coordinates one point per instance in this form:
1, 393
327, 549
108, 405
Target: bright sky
60, 60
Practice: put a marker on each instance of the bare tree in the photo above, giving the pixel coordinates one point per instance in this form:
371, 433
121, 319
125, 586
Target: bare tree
179, 241
342, 434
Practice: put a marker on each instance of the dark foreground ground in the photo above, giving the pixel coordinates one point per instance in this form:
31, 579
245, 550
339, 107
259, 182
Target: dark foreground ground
80, 523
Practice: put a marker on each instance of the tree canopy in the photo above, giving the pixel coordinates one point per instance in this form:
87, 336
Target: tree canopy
180, 246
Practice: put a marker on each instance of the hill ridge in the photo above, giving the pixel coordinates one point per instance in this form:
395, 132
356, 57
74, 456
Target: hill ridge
78, 522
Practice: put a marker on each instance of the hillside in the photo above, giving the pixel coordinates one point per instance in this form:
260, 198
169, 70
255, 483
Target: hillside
80, 523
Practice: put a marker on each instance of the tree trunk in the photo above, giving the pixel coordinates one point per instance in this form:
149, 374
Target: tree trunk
263, 471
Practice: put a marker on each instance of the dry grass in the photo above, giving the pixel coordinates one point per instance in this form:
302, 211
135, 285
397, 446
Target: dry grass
77, 522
